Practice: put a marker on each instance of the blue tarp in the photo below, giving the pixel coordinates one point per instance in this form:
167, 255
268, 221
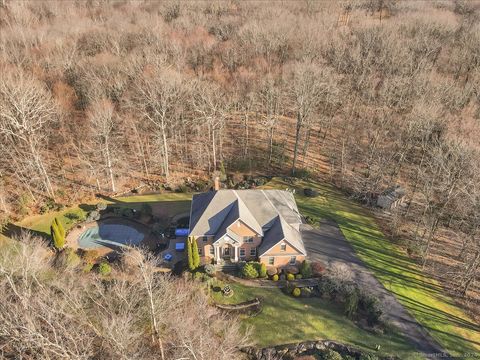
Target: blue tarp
181, 232
180, 246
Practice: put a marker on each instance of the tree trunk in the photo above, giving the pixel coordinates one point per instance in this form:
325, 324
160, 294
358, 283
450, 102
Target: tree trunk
39, 163
165, 153
270, 154
297, 139
109, 166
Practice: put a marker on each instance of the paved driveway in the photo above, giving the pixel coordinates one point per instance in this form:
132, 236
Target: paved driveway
328, 245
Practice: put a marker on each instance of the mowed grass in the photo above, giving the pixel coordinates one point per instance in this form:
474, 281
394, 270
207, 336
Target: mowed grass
420, 295
285, 319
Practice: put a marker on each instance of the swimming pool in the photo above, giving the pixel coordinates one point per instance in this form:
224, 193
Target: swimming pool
109, 235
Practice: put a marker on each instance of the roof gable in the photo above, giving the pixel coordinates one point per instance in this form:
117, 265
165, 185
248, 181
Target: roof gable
282, 231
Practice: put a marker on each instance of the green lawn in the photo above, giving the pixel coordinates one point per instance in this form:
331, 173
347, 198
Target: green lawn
285, 319
423, 297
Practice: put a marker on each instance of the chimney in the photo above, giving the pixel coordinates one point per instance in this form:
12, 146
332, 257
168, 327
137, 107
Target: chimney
216, 187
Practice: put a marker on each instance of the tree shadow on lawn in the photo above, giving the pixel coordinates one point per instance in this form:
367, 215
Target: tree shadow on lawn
440, 316
14, 231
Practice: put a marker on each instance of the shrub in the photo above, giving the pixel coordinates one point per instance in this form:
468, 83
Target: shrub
263, 271
328, 287
249, 271
199, 276
373, 309
183, 188
73, 260
104, 269
290, 277
128, 213
209, 269
331, 355
317, 268
302, 174
89, 256
306, 292
57, 233
101, 206
195, 254
310, 220
299, 276
296, 292
275, 277
67, 258
87, 268
310, 192
93, 215
190, 263
341, 271
351, 303
306, 269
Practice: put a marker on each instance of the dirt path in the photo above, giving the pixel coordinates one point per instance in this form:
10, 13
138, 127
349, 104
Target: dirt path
328, 245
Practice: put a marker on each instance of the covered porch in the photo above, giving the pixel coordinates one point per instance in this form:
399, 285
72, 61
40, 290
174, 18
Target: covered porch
226, 249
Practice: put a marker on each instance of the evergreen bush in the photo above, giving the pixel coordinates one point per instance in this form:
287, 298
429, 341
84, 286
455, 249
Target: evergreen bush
249, 271
306, 269
263, 271
57, 233
195, 254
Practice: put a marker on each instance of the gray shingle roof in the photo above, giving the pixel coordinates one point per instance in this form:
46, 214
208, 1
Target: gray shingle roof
272, 213
281, 230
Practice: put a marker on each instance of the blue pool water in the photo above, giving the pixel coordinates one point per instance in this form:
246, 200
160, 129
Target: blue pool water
109, 235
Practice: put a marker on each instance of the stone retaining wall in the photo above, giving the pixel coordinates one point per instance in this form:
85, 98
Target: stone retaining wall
291, 351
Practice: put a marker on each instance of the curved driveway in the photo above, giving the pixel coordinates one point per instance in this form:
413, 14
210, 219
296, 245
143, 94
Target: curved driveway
328, 245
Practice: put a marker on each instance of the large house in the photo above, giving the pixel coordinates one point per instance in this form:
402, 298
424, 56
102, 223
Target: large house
243, 225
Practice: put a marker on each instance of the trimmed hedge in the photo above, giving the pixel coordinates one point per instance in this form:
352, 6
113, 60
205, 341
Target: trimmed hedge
275, 277
290, 277
296, 292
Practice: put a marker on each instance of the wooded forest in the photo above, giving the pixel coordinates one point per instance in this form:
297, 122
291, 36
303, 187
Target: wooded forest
103, 96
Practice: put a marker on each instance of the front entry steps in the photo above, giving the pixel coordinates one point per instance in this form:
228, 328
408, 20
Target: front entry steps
226, 267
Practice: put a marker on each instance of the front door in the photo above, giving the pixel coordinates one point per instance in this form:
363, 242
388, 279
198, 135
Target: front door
226, 252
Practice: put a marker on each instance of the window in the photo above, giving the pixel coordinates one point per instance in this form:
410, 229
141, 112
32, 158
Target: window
253, 252
242, 253
271, 260
248, 239
293, 260
212, 250
283, 247
205, 239
199, 251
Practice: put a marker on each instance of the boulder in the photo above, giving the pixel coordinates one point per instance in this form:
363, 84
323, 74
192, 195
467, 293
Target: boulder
271, 270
